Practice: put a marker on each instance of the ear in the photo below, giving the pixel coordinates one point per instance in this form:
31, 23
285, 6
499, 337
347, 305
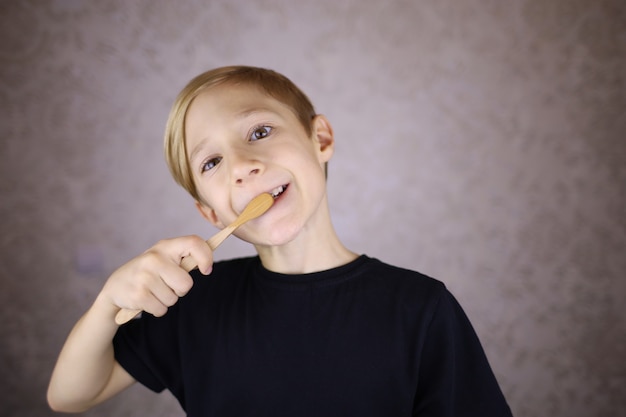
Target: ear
209, 214
324, 138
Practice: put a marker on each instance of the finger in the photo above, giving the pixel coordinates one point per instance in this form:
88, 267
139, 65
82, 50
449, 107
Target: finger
202, 255
167, 288
159, 292
184, 246
175, 279
189, 252
157, 278
153, 306
148, 292
164, 294
154, 273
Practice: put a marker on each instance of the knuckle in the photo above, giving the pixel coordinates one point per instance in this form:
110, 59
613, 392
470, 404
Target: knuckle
183, 287
148, 258
171, 299
160, 243
196, 238
142, 280
186, 284
159, 311
197, 242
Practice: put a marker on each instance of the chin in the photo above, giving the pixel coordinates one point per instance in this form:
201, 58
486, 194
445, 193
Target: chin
279, 236
267, 238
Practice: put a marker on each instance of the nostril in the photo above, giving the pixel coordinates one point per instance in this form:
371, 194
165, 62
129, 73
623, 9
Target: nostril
252, 172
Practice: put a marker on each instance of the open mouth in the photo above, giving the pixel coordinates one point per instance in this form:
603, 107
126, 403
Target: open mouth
276, 192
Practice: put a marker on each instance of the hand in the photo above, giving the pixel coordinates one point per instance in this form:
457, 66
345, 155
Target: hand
154, 280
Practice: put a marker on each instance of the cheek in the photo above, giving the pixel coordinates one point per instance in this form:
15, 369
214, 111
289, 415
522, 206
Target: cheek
308, 157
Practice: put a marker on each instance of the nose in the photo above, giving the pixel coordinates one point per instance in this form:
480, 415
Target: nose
245, 168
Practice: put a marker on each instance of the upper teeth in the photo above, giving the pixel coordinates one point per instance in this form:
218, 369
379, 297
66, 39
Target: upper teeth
277, 191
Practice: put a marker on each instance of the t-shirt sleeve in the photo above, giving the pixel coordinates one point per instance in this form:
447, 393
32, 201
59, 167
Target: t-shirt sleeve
455, 378
147, 350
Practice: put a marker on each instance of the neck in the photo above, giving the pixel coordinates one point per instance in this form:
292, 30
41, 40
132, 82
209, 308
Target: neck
316, 248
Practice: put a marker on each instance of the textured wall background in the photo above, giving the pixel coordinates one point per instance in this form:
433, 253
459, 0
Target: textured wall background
481, 142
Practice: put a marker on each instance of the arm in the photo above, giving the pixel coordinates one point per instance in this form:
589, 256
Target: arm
455, 377
86, 372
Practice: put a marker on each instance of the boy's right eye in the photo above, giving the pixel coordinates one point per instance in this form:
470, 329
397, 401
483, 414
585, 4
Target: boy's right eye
210, 164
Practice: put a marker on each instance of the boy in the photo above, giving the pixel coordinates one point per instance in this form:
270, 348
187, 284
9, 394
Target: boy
306, 328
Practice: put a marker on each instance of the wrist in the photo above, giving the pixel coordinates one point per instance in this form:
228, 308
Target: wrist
103, 305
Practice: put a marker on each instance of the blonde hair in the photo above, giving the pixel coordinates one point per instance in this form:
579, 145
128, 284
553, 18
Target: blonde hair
270, 82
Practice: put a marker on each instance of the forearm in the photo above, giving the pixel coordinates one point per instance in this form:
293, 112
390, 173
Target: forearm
85, 370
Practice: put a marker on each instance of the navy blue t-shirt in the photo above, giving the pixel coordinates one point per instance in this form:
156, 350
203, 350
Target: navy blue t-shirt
363, 339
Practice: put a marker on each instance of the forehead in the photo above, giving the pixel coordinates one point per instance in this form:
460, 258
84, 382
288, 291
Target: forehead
222, 109
232, 100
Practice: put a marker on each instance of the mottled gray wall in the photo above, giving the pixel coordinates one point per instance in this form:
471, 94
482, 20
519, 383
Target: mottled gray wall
480, 142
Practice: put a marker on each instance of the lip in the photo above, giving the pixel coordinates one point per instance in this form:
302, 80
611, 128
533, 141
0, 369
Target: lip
270, 191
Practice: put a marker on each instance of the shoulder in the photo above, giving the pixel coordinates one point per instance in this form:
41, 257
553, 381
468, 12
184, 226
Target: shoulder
403, 280
404, 291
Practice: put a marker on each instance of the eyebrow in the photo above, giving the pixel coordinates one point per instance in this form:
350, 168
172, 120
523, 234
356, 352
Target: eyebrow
196, 150
239, 116
252, 111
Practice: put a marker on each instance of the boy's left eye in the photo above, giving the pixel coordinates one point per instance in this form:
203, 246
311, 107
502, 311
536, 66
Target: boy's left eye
260, 132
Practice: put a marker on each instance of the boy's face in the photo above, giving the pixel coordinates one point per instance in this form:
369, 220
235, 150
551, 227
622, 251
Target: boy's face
241, 143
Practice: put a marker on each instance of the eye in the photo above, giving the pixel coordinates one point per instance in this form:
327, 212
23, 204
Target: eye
210, 164
260, 132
